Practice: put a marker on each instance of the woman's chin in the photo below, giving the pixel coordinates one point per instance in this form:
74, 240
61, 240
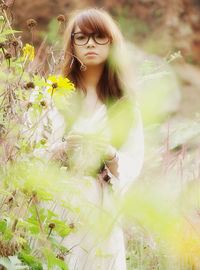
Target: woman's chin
92, 63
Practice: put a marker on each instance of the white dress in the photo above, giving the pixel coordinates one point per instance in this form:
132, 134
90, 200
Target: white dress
99, 244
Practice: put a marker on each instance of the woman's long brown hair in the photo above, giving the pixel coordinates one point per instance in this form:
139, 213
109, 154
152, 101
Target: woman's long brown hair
95, 20
112, 88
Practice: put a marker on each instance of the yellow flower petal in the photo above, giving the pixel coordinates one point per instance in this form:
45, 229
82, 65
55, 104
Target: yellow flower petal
63, 84
29, 51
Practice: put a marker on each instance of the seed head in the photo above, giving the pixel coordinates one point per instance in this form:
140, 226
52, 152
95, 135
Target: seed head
31, 23
29, 104
52, 225
54, 85
61, 18
43, 141
60, 257
8, 55
15, 43
10, 199
71, 225
3, 6
43, 103
29, 85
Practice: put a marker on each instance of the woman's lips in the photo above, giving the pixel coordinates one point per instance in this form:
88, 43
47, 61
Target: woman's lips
90, 53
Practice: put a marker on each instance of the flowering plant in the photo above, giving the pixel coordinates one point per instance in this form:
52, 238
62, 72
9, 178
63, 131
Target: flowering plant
60, 85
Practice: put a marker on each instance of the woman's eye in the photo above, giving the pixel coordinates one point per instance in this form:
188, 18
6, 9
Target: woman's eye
80, 37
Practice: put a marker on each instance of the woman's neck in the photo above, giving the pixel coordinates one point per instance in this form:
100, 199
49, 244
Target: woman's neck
92, 76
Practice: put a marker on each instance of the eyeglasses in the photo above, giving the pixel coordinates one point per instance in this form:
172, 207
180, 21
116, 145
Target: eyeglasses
81, 38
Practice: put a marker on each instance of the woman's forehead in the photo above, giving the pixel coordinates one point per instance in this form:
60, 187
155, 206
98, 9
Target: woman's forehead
84, 29
88, 28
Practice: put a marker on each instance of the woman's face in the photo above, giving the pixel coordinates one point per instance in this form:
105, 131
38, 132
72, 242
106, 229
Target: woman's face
91, 54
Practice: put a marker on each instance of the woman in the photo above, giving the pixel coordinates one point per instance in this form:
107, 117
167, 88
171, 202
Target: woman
104, 141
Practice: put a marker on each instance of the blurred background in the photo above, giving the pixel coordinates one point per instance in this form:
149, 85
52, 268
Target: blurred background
157, 27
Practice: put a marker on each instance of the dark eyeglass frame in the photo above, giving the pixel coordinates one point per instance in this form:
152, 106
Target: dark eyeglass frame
89, 36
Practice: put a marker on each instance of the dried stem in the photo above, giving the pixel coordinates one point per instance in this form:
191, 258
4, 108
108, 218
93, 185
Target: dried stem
37, 213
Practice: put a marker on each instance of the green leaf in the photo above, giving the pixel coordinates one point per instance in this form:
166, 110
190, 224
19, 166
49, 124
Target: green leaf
8, 235
51, 214
99, 253
39, 81
6, 193
3, 225
52, 260
61, 228
30, 260
7, 32
34, 229
13, 263
2, 39
84, 249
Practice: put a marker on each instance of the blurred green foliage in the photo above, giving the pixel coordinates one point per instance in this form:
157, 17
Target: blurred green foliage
52, 33
131, 27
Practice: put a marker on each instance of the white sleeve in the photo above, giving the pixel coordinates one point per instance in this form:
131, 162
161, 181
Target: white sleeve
131, 154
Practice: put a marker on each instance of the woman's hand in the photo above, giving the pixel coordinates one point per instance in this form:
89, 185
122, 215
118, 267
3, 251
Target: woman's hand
59, 154
109, 155
59, 150
74, 140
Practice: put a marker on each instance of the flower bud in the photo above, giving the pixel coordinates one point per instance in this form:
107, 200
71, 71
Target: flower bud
15, 43
60, 257
8, 55
29, 104
29, 85
31, 23
43, 103
71, 225
43, 141
61, 18
52, 225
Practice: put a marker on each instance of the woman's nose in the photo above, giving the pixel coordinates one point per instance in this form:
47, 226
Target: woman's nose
91, 41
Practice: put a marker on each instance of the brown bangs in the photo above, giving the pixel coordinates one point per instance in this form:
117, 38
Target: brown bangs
92, 22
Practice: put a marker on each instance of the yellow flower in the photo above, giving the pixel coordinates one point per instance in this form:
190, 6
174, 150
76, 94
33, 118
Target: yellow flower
60, 85
29, 51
